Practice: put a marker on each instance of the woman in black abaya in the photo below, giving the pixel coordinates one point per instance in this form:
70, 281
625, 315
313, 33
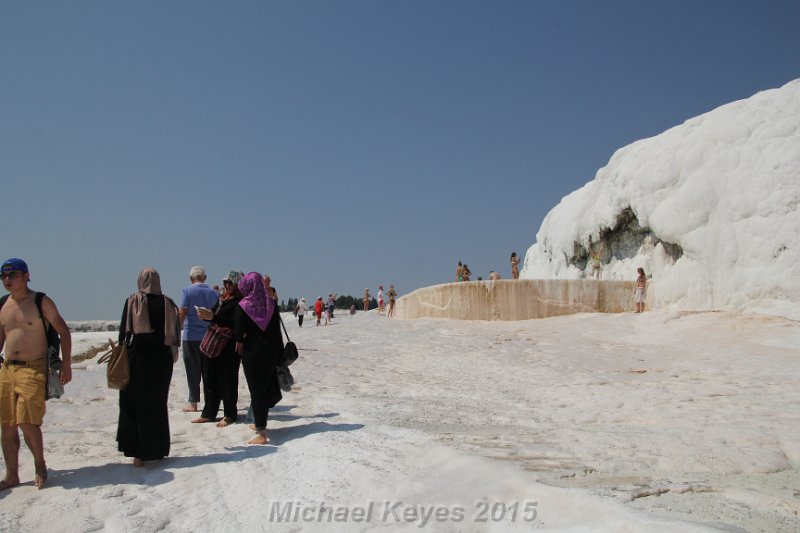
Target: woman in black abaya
150, 327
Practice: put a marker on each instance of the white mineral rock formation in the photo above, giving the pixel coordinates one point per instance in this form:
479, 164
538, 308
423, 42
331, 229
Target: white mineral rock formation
708, 208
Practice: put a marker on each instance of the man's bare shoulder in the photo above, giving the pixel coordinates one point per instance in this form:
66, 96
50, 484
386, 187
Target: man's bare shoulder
49, 308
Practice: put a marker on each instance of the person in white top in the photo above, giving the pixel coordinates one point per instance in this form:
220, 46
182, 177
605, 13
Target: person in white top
300, 311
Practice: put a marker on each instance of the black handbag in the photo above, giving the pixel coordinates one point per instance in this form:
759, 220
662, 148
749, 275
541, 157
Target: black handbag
289, 354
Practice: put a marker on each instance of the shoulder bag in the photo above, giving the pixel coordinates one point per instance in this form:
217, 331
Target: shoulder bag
118, 373
289, 354
215, 340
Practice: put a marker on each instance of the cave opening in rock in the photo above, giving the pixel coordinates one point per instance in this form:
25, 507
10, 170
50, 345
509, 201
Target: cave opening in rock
625, 240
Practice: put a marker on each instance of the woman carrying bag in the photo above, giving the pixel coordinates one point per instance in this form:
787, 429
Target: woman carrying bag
221, 373
258, 340
150, 327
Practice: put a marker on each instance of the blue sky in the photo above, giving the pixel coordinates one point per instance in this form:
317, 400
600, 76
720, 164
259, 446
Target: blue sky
337, 144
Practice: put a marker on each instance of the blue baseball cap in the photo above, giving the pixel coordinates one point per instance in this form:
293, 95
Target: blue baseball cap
14, 264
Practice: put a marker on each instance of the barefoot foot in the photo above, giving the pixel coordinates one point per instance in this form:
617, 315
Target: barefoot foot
225, 422
201, 420
9, 482
261, 438
40, 478
191, 408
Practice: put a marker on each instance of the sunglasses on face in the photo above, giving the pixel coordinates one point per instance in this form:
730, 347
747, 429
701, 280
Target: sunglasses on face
227, 282
10, 275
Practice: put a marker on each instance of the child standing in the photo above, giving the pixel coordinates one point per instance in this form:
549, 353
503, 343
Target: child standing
641, 284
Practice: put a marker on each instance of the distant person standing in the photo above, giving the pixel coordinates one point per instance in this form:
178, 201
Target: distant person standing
392, 294
272, 292
329, 308
466, 273
641, 287
381, 305
300, 310
595, 265
23, 376
460, 272
366, 299
198, 294
318, 307
514, 266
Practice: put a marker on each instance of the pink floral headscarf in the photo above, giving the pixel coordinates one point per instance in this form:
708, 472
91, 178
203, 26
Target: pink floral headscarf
255, 302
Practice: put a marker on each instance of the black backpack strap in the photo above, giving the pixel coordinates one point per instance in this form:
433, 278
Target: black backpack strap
284, 326
39, 300
2, 302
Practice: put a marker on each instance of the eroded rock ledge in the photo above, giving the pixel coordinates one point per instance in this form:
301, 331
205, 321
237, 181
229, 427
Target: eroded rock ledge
517, 299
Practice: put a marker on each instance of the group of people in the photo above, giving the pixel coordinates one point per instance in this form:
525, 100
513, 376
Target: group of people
593, 269
391, 294
246, 310
322, 309
153, 328
463, 272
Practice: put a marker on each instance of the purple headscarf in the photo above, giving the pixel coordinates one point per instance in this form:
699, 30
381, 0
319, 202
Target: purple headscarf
255, 302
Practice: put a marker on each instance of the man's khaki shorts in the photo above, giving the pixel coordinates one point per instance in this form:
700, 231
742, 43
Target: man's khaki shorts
22, 393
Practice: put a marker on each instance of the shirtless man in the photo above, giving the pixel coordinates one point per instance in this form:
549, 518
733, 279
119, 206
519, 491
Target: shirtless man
24, 371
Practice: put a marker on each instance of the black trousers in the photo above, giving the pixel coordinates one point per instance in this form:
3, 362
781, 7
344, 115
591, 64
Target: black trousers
300, 320
221, 383
262, 380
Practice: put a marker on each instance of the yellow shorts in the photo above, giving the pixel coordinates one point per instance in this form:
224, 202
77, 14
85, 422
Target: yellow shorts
22, 393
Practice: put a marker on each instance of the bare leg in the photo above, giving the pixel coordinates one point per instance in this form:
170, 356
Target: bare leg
10, 438
138, 463
33, 438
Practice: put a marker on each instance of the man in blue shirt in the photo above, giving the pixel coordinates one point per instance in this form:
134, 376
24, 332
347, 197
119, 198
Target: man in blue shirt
198, 294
